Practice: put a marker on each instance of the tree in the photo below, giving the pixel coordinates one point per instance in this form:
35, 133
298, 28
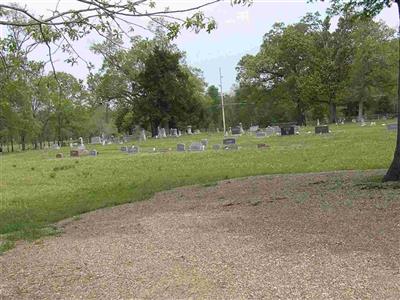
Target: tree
368, 8
105, 18
172, 94
283, 62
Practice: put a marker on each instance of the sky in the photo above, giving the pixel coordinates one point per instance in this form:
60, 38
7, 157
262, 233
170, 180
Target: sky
239, 32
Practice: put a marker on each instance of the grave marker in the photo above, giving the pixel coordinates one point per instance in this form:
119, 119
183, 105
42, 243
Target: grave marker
204, 142
74, 153
322, 129
174, 132
196, 147
229, 141
261, 134
236, 130
133, 150
180, 147
392, 127
254, 128
287, 130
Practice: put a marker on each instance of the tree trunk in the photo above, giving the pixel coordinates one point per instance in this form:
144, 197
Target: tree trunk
393, 174
332, 112
12, 145
23, 142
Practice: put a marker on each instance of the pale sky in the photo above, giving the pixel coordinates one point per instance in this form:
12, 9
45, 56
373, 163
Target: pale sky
240, 30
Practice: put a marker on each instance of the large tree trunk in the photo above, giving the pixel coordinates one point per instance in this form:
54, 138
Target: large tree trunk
393, 174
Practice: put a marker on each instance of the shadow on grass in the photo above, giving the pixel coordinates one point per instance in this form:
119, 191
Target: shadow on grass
375, 182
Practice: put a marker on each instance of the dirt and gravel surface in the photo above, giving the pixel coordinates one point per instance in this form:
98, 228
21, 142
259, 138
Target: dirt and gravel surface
316, 236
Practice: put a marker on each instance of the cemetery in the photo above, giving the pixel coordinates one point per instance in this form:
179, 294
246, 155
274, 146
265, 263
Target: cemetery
205, 150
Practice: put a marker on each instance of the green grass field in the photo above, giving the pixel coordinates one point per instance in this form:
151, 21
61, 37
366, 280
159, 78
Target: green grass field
37, 189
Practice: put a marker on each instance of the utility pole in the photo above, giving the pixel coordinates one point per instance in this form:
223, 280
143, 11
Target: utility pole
222, 102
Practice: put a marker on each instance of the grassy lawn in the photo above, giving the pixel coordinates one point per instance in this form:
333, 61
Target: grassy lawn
37, 189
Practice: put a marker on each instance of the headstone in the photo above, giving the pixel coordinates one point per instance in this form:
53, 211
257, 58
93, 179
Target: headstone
270, 131
254, 128
287, 130
143, 135
55, 147
231, 147
93, 152
180, 147
196, 147
162, 133
124, 149
297, 129
133, 150
229, 141
204, 142
236, 130
74, 153
197, 131
277, 129
392, 127
322, 129
173, 132
261, 134
216, 147
189, 130
95, 140
59, 155
241, 128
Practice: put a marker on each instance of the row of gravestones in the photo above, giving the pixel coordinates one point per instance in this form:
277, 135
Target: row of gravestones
275, 130
227, 144
78, 153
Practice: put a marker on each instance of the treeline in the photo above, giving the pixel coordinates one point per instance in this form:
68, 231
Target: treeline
310, 70
148, 85
302, 72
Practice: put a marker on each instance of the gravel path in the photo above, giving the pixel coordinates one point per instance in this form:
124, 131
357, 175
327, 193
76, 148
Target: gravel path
315, 236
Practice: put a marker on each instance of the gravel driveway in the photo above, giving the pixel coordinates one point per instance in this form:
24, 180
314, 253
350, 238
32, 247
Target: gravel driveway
317, 236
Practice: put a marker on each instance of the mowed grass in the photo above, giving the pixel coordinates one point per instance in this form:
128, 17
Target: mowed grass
37, 189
